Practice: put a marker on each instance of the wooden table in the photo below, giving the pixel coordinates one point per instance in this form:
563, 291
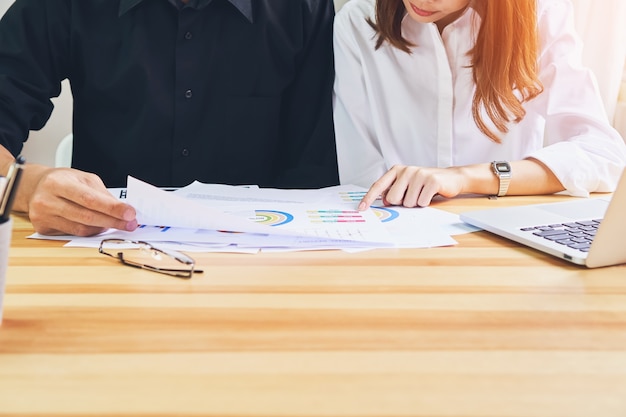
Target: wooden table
483, 328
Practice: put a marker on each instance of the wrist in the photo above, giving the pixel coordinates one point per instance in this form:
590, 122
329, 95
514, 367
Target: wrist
32, 175
479, 179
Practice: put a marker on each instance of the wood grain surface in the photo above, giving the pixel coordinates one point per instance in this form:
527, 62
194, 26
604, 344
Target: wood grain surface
479, 329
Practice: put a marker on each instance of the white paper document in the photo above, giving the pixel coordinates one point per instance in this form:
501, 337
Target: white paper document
222, 218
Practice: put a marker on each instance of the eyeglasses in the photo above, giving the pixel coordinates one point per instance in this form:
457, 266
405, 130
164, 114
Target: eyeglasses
143, 255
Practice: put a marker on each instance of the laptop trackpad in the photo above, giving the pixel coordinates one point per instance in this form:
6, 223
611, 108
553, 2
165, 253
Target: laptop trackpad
581, 209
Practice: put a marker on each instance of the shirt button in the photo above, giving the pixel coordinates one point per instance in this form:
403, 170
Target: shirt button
188, 35
185, 152
188, 94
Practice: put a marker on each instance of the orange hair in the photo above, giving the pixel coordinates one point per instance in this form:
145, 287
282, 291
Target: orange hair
503, 60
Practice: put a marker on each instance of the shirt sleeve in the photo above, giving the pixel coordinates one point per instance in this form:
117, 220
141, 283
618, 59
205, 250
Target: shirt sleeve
31, 52
359, 156
308, 150
582, 149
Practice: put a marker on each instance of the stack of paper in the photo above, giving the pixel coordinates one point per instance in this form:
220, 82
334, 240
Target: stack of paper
214, 217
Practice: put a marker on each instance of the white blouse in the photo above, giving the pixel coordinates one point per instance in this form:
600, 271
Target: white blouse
391, 107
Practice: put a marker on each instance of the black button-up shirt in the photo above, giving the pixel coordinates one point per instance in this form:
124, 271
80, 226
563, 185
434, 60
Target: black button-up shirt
221, 91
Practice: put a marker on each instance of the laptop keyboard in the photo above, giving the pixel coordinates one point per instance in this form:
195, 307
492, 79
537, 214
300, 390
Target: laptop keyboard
576, 235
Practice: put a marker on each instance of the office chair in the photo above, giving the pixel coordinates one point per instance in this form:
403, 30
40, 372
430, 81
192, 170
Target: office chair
63, 155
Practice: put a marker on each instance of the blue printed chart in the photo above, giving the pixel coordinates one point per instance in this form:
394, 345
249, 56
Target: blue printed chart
385, 214
272, 217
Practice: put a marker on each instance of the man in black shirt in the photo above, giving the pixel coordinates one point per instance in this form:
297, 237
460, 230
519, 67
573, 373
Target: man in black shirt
168, 91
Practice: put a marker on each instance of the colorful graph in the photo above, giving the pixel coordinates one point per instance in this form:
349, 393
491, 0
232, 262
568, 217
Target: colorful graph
335, 216
350, 196
272, 217
385, 214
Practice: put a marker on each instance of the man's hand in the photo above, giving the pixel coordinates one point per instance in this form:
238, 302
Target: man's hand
69, 201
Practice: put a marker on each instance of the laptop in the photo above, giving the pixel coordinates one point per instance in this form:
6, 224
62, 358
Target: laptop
585, 231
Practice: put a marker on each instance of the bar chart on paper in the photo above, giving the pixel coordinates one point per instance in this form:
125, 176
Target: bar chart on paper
328, 221
335, 216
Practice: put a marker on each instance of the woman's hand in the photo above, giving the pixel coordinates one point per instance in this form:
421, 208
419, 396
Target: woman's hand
412, 186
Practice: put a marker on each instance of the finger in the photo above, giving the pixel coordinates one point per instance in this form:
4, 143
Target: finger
56, 226
427, 194
377, 189
383, 197
60, 216
396, 193
411, 195
106, 205
56, 214
93, 196
81, 215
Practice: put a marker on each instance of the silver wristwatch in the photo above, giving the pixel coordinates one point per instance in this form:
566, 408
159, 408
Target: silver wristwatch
502, 169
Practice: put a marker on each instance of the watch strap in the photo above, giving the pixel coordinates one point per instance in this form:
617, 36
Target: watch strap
502, 169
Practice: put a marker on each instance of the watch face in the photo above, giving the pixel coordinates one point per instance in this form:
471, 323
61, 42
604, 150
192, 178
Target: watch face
502, 167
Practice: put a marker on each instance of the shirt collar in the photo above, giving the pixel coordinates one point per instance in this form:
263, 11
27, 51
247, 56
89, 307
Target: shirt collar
244, 6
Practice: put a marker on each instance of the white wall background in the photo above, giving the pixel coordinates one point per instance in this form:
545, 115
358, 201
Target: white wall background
600, 23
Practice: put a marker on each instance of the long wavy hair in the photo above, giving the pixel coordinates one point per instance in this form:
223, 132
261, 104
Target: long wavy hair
503, 60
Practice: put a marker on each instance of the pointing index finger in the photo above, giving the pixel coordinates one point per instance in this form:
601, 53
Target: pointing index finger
377, 189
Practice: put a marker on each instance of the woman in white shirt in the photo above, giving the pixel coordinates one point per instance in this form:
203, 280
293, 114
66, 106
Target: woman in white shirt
448, 97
